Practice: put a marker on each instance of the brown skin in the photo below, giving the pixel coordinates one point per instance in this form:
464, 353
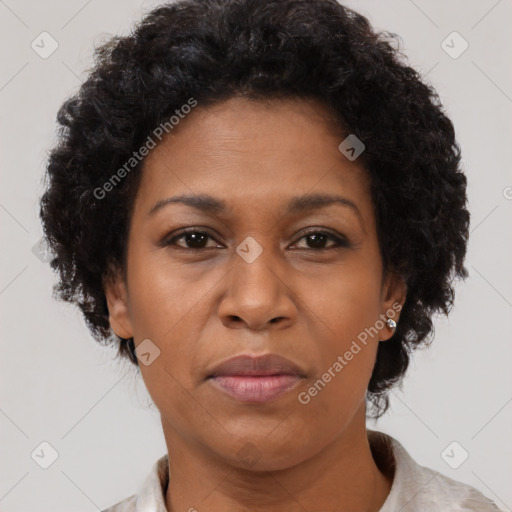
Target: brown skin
203, 306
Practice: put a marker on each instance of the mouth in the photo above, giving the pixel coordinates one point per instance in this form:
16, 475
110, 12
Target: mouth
256, 379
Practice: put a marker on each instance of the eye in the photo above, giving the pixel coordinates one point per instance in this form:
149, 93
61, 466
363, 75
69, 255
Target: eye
318, 239
193, 239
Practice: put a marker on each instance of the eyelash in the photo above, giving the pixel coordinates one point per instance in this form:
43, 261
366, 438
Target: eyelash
339, 240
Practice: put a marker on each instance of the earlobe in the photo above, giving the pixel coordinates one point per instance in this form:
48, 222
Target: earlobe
395, 293
117, 303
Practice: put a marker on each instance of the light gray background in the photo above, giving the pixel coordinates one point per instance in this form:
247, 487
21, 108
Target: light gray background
59, 386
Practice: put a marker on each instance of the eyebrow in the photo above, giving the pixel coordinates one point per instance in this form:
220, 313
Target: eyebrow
301, 204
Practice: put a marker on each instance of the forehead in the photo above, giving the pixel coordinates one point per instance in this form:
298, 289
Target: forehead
253, 154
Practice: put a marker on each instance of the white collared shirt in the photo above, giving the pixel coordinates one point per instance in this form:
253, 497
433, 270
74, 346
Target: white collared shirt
415, 488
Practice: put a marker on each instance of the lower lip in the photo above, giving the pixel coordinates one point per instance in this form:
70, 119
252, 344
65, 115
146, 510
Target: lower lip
247, 388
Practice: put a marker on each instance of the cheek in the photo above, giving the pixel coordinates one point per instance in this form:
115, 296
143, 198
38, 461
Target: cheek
162, 294
167, 307
347, 309
348, 301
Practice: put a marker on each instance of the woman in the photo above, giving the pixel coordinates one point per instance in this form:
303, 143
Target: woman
263, 206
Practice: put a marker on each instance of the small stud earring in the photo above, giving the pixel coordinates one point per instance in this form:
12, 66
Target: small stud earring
391, 324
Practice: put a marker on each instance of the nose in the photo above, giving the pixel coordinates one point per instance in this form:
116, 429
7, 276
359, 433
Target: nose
257, 295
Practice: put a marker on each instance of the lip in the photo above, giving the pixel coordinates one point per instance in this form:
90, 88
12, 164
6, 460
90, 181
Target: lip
256, 379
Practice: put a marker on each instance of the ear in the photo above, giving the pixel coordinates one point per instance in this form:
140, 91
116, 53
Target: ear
394, 293
118, 306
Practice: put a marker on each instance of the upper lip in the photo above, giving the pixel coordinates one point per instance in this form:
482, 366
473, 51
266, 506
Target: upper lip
268, 364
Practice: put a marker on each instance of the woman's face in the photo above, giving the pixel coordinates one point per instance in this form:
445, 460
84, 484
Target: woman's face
304, 283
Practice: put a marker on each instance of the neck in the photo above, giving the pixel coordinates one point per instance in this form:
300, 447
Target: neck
342, 473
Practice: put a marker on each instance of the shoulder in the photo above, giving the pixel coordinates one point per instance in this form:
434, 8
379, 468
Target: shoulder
442, 493
416, 487
151, 494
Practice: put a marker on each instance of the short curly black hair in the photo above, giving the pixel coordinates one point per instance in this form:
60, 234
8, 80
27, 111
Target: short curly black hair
212, 50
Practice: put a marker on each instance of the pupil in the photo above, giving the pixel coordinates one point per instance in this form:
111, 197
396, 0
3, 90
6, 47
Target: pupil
317, 239
196, 239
